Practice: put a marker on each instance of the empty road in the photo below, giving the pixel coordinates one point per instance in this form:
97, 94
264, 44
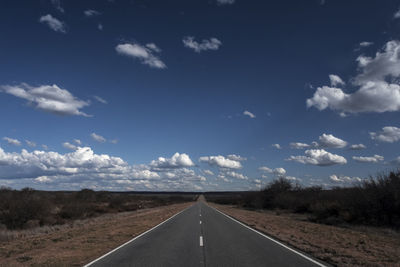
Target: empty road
202, 236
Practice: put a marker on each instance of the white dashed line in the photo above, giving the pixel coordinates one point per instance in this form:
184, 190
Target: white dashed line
200, 222
201, 241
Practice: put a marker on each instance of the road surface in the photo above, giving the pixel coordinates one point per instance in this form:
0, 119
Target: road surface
202, 236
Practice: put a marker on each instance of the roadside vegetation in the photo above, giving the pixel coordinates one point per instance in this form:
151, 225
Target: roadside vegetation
28, 208
374, 202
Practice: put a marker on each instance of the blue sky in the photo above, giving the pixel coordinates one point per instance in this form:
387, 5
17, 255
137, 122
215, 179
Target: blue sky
197, 95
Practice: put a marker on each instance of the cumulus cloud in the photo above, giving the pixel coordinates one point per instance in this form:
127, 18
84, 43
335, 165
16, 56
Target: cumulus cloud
30, 143
236, 175
374, 159
344, 179
98, 138
389, 134
208, 172
225, 2
377, 83
276, 171
248, 113
212, 44
50, 98
91, 13
336, 80
357, 147
277, 146
236, 157
176, 161
77, 141
318, 157
145, 54
296, 145
53, 23
222, 162
101, 100
70, 146
366, 44
12, 141
330, 141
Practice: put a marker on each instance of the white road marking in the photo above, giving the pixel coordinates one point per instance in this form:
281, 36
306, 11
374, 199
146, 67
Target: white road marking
200, 222
142, 234
200, 215
273, 240
201, 241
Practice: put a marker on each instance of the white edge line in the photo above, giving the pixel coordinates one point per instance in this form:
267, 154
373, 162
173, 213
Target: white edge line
201, 241
136, 237
270, 238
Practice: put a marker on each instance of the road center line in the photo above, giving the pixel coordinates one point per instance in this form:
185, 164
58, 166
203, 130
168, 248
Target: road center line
201, 241
200, 222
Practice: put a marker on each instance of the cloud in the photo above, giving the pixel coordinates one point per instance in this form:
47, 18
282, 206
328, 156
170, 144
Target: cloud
212, 44
70, 146
143, 53
366, 44
276, 171
77, 141
100, 27
153, 47
248, 113
389, 134
221, 162
225, 2
374, 159
357, 147
54, 24
30, 143
176, 161
50, 98
336, 80
101, 100
299, 145
208, 172
318, 157
330, 141
378, 89
98, 138
91, 13
344, 179
236, 157
277, 146
397, 14
12, 141
114, 141
236, 175
57, 5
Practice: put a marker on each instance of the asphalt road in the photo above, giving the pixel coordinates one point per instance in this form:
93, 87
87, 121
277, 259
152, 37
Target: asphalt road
202, 236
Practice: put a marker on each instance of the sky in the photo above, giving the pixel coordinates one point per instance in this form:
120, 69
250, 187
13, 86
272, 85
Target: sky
199, 95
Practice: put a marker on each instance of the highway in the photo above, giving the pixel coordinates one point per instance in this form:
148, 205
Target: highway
202, 236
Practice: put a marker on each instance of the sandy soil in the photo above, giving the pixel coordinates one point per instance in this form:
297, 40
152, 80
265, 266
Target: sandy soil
340, 246
83, 241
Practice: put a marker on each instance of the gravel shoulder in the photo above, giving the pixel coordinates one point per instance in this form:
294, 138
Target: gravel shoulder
339, 246
82, 241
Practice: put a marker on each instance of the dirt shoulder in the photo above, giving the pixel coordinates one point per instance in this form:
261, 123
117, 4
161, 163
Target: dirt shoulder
83, 241
355, 246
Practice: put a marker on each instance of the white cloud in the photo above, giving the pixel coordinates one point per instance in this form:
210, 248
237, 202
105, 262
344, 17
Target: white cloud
77, 141
277, 146
208, 172
221, 162
100, 27
101, 100
377, 82
153, 47
212, 44
330, 141
54, 24
236, 157
366, 44
98, 138
248, 113
225, 2
12, 141
374, 159
236, 175
299, 145
70, 146
397, 14
389, 134
114, 141
45, 147
143, 53
336, 80
357, 147
176, 161
30, 143
265, 169
344, 179
50, 98
91, 13
276, 171
318, 157
57, 5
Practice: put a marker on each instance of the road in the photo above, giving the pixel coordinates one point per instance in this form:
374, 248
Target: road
202, 236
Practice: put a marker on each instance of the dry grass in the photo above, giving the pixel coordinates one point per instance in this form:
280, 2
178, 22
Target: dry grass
79, 242
354, 246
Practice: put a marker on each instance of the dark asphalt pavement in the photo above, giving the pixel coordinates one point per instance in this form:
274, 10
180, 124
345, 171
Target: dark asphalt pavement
225, 243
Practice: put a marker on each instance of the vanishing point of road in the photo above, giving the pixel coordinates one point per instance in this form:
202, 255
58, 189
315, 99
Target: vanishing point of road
203, 236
